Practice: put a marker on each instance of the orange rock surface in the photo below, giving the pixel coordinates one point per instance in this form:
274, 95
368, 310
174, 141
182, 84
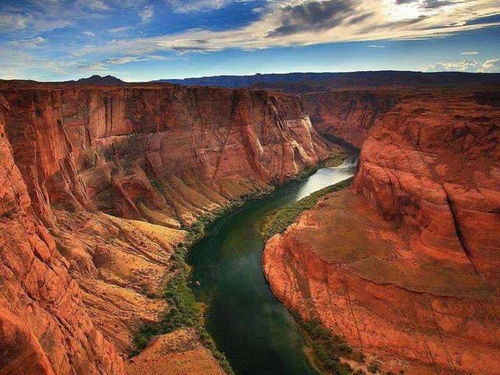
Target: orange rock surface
96, 186
405, 264
44, 326
177, 353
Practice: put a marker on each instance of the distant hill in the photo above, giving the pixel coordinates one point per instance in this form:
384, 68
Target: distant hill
307, 82
99, 80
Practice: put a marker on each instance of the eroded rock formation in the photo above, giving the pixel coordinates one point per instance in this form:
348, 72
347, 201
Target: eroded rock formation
405, 264
96, 186
349, 115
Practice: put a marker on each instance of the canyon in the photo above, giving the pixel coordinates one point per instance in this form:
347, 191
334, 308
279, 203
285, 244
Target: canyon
404, 264
99, 185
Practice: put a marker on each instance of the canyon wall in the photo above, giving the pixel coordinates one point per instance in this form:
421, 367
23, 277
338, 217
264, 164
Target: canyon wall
349, 115
405, 263
98, 184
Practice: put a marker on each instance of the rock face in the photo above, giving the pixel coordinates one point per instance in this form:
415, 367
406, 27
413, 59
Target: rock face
349, 114
44, 327
97, 184
405, 264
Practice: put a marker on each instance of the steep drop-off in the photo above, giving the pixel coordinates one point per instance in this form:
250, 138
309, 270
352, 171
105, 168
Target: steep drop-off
96, 186
405, 264
349, 115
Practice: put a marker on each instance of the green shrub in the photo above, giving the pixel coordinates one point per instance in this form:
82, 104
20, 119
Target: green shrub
327, 347
183, 310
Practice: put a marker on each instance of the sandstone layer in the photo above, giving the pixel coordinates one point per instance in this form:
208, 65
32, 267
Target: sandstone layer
177, 353
349, 115
98, 184
405, 264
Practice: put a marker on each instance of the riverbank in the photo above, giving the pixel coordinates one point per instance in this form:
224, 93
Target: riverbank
250, 326
280, 220
184, 312
183, 309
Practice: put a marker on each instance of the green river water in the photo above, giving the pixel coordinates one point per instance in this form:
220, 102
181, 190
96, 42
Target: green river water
253, 329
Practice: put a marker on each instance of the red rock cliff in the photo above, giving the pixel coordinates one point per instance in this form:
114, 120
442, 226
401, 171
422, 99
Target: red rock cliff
349, 114
114, 173
44, 328
405, 264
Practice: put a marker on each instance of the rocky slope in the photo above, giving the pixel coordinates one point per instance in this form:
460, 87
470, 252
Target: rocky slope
97, 186
405, 264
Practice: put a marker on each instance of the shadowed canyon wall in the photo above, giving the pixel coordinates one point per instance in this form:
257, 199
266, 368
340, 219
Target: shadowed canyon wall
97, 186
349, 115
405, 263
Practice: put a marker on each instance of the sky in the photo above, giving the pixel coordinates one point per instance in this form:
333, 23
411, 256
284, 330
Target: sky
142, 40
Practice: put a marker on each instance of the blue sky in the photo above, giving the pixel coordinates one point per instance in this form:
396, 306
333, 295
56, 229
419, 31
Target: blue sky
140, 40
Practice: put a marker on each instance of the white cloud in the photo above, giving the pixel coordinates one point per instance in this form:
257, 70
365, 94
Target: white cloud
488, 66
29, 43
13, 21
97, 5
107, 63
492, 65
305, 22
120, 29
88, 33
278, 23
146, 14
469, 53
185, 6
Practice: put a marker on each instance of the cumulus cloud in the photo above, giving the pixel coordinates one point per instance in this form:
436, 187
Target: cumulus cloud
473, 66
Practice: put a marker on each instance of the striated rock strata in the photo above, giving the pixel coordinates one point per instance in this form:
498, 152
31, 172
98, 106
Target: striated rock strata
349, 115
97, 184
405, 263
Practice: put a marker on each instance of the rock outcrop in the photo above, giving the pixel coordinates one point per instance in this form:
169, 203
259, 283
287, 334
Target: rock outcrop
405, 263
349, 115
97, 186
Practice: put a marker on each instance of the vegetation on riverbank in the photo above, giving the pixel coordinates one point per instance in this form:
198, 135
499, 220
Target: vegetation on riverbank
282, 218
183, 310
327, 348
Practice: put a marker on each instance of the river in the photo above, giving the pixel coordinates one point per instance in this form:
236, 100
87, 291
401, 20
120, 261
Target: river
253, 329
